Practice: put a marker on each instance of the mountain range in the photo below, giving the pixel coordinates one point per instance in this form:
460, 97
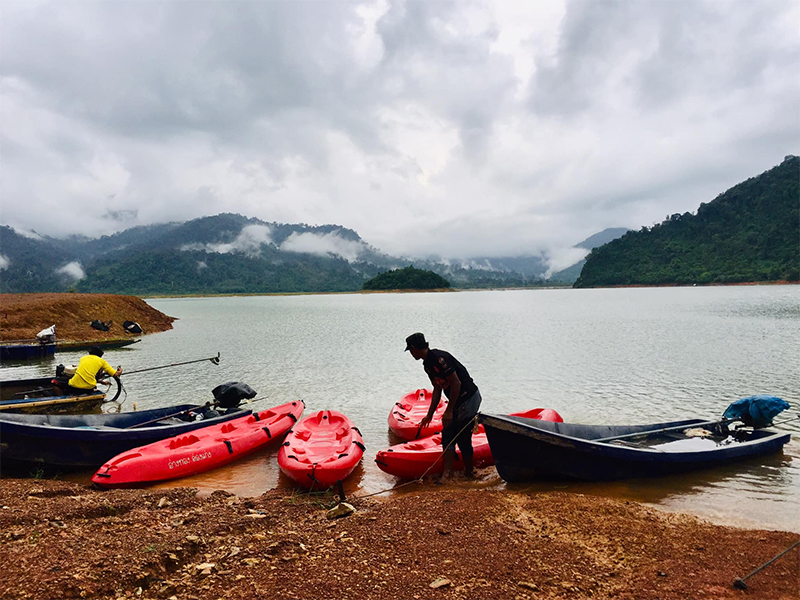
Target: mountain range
230, 253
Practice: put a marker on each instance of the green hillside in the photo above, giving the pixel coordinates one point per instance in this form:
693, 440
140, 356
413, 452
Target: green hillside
408, 278
750, 233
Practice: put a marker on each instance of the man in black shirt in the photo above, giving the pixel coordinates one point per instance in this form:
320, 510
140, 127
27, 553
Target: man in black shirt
447, 374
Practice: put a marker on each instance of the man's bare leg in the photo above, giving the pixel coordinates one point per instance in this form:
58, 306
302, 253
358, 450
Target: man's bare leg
447, 461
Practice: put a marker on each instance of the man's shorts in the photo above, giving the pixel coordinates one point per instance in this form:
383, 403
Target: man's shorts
463, 415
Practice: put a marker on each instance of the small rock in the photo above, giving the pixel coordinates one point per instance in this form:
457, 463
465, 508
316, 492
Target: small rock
205, 568
439, 582
193, 539
251, 562
256, 516
528, 585
662, 574
342, 509
164, 502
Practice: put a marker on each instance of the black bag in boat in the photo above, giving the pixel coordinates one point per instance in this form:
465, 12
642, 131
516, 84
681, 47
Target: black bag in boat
230, 395
131, 327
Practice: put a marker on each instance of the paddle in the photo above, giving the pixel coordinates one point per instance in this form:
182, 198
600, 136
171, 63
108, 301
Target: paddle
688, 426
208, 404
652, 431
214, 360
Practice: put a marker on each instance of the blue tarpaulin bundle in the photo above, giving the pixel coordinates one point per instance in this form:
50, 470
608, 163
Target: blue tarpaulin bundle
756, 411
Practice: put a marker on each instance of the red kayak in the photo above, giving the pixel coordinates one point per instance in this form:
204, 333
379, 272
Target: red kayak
406, 415
321, 449
200, 450
411, 460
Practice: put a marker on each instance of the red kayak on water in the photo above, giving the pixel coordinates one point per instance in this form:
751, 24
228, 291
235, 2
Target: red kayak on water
200, 450
321, 449
411, 460
406, 415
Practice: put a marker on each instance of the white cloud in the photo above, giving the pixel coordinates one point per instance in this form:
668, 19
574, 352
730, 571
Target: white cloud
463, 129
323, 244
247, 242
558, 259
4, 262
73, 271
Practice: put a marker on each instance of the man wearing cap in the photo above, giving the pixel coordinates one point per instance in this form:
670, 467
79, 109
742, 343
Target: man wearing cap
85, 378
447, 374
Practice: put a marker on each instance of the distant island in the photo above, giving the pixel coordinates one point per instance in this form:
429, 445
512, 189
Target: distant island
751, 233
408, 278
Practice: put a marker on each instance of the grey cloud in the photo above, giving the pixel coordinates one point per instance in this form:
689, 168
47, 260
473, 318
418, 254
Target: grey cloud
402, 120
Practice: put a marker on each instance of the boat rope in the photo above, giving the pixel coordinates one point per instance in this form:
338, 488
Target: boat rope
739, 584
470, 423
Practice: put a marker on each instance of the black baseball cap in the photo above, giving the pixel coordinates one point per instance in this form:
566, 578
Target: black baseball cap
96, 351
416, 340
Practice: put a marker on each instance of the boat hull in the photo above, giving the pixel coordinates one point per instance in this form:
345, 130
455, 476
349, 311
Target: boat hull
322, 449
419, 458
14, 352
200, 450
404, 420
71, 442
526, 450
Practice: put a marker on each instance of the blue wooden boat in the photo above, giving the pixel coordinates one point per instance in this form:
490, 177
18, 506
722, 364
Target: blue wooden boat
62, 442
527, 449
14, 351
43, 395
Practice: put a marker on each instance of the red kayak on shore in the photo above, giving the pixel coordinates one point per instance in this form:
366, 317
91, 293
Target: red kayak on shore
406, 415
200, 450
321, 449
411, 460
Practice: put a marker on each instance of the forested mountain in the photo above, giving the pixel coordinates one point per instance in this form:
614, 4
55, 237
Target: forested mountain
570, 274
749, 233
227, 253
408, 278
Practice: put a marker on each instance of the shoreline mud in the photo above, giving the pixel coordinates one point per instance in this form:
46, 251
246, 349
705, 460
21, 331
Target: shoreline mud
66, 540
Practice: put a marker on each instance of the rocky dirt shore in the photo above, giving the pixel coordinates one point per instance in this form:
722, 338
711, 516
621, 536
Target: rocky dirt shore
65, 540
22, 316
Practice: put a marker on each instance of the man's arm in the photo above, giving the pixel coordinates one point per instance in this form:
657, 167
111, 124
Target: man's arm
110, 370
435, 398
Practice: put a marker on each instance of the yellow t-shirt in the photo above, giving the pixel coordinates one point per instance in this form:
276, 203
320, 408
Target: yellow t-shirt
88, 368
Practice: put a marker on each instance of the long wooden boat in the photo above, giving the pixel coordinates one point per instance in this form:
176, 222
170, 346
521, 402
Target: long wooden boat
73, 346
525, 449
40, 395
13, 351
62, 442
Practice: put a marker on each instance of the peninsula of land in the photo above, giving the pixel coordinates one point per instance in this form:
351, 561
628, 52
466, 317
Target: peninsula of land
22, 316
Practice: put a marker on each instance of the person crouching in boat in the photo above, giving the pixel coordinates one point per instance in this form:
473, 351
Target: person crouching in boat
447, 374
90, 366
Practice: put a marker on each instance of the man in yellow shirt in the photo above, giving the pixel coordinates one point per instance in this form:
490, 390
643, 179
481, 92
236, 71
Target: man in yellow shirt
85, 378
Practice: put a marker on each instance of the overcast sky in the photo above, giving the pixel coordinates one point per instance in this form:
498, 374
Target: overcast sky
430, 127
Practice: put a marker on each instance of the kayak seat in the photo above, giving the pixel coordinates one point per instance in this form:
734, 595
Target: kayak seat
340, 433
303, 435
184, 440
228, 427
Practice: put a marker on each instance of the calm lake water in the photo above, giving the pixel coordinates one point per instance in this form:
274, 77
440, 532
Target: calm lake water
615, 356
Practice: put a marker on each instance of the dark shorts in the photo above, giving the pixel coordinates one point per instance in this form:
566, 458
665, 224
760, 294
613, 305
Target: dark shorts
463, 415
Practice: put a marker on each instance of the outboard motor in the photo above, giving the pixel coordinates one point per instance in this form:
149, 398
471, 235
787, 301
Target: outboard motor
230, 395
